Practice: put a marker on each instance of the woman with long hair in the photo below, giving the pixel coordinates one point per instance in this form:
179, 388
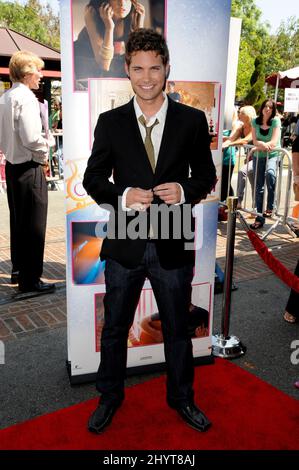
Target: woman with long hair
100, 48
266, 133
242, 135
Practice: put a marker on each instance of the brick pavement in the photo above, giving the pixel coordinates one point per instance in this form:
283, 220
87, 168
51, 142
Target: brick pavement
32, 315
37, 314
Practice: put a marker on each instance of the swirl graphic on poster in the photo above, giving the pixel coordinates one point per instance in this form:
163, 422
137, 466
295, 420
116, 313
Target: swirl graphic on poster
76, 195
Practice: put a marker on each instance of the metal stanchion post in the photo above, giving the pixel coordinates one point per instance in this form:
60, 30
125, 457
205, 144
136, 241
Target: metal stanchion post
225, 345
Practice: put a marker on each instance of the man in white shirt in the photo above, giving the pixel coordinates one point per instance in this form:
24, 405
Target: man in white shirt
26, 152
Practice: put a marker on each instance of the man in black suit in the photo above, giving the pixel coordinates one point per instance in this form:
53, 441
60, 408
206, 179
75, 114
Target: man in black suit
148, 145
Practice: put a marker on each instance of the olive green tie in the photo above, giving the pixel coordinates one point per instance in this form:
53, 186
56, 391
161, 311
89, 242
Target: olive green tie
148, 141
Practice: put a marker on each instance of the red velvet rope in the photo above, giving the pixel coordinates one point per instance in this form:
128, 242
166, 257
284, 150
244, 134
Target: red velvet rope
273, 263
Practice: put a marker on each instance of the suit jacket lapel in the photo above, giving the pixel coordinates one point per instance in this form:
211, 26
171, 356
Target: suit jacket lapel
168, 139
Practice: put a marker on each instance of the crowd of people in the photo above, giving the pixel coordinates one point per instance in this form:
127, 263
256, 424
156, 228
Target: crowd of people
265, 133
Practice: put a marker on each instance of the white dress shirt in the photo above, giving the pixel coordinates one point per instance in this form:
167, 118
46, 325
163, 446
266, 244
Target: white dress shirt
21, 137
156, 137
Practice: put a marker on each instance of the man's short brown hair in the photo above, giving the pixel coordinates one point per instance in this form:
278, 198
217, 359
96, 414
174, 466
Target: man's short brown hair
23, 63
146, 40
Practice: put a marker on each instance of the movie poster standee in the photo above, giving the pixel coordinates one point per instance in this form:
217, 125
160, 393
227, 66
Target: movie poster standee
198, 45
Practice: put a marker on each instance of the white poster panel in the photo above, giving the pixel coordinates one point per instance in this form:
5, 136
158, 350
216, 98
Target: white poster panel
232, 70
198, 45
291, 100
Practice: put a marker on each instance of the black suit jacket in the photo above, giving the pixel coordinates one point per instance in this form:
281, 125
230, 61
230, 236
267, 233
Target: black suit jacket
118, 150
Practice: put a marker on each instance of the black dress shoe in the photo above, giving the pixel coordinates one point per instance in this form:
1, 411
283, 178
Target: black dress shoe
102, 417
38, 286
14, 279
193, 416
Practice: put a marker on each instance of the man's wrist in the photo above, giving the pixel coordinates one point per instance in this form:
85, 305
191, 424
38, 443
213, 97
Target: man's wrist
124, 200
182, 199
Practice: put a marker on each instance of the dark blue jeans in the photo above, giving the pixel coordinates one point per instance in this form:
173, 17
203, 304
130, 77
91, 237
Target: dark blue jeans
172, 290
268, 174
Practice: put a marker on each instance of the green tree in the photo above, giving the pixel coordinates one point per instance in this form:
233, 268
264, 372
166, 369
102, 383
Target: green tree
33, 19
253, 31
245, 69
256, 94
286, 44
254, 35
279, 51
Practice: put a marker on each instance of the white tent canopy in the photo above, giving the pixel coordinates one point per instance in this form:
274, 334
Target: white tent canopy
292, 74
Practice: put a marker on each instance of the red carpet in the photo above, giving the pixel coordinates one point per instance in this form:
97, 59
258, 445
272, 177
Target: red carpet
246, 413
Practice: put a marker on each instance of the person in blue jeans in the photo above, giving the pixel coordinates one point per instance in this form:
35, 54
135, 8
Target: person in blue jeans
266, 133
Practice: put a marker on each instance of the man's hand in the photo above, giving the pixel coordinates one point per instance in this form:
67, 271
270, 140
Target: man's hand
139, 199
170, 193
46, 169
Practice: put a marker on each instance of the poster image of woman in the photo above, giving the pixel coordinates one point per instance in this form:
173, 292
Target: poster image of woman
100, 30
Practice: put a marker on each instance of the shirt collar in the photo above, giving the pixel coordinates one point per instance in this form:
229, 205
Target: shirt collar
23, 87
160, 115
